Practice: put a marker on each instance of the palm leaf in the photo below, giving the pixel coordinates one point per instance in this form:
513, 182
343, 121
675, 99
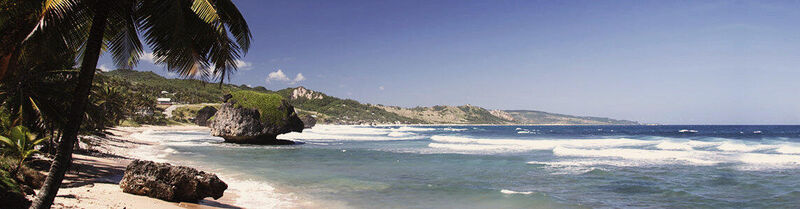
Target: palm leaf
18, 133
123, 40
8, 142
205, 11
28, 153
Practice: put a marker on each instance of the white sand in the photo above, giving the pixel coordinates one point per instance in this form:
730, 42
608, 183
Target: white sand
93, 181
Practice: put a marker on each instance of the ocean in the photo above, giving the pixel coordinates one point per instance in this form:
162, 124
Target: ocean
666, 166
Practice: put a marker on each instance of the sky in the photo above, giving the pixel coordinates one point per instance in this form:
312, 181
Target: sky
669, 62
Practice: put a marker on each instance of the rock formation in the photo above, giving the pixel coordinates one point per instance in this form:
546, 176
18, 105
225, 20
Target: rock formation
201, 119
302, 92
170, 183
308, 121
239, 123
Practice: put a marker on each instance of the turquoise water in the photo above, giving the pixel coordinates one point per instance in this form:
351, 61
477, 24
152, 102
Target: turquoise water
505, 166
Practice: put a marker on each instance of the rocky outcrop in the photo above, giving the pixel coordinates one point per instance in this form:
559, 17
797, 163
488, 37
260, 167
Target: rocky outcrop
170, 183
237, 124
302, 92
201, 119
308, 121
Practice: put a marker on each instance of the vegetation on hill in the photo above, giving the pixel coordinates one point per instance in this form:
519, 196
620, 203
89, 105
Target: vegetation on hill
266, 104
539, 117
332, 110
465, 114
328, 109
187, 91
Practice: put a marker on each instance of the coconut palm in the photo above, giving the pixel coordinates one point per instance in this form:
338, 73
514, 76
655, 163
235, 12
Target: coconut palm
201, 38
109, 104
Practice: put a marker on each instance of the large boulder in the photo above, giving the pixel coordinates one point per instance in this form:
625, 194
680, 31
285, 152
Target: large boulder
170, 183
308, 121
201, 119
249, 117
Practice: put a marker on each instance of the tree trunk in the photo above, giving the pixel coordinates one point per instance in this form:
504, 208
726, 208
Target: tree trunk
63, 157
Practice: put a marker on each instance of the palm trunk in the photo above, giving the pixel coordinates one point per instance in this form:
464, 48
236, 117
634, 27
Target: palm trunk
63, 157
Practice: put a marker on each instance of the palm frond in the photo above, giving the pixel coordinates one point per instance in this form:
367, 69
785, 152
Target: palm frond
123, 40
8, 142
237, 25
205, 10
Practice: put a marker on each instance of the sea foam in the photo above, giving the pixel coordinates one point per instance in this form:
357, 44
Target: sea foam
632, 152
329, 133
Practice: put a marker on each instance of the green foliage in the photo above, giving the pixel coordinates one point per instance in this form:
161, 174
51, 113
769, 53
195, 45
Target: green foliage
187, 91
189, 111
335, 110
266, 104
9, 185
20, 143
129, 123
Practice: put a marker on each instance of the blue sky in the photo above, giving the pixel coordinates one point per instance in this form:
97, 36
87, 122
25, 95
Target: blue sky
672, 62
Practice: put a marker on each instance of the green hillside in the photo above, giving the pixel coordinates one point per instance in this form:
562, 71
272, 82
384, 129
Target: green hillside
539, 117
188, 91
333, 110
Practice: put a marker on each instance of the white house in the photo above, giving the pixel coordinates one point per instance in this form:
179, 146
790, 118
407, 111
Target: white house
164, 100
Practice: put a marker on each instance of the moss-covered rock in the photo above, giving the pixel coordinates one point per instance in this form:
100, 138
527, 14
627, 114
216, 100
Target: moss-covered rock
254, 118
267, 104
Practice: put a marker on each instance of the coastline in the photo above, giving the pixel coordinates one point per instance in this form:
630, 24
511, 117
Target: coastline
94, 180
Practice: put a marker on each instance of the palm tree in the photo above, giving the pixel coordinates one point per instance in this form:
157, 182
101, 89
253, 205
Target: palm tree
192, 37
109, 104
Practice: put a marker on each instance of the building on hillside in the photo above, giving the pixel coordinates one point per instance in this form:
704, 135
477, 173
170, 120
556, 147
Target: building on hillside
164, 101
145, 111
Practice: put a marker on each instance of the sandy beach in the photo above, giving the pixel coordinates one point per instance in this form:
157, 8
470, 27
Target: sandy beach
93, 180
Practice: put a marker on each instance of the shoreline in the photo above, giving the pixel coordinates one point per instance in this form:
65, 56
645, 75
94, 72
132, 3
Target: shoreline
93, 182
462, 124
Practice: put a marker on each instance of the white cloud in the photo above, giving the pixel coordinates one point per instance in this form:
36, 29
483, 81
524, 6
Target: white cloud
104, 68
279, 76
381, 88
298, 78
242, 65
148, 56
